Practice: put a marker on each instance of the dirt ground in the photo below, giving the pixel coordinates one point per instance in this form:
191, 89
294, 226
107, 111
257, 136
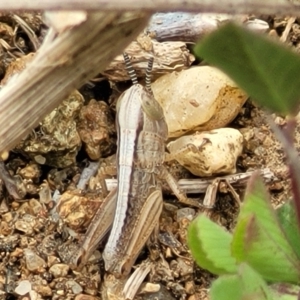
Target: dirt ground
32, 242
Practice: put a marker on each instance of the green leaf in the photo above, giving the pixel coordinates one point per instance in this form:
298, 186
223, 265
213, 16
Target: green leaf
289, 223
246, 284
259, 240
210, 246
266, 70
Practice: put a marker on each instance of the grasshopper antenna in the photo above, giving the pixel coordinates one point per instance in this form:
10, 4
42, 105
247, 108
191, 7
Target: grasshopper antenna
129, 68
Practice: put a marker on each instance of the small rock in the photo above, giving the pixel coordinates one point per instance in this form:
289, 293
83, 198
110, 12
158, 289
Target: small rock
185, 213
23, 288
162, 294
281, 121
45, 193
190, 287
85, 297
60, 292
47, 276
24, 227
18, 252
33, 261
56, 141
268, 142
200, 98
15, 205
96, 128
33, 295
177, 289
150, 288
52, 260
259, 151
31, 171
208, 153
36, 206
47, 248
44, 290
4, 155
5, 228
74, 286
7, 217
168, 253
168, 239
59, 270
184, 268
276, 187
77, 209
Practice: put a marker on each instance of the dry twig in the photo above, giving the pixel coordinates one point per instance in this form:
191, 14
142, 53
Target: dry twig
195, 186
74, 57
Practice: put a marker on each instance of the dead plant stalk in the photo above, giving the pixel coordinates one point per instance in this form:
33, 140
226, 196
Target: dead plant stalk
75, 56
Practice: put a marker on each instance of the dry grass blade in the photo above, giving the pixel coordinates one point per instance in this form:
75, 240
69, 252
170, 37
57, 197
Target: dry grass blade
196, 186
74, 57
33, 38
136, 279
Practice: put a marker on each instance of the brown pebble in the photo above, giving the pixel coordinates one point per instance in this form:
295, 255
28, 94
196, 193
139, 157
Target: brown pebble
44, 290
5, 229
279, 121
185, 267
34, 262
168, 253
85, 297
190, 287
18, 252
276, 187
4, 155
59, 270
60, 292
52, 260
268, 142
15, 205
150, 288
7, 217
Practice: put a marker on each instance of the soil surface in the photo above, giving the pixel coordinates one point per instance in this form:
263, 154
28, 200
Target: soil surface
33, 237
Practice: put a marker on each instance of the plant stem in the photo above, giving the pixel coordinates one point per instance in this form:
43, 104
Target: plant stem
294, 172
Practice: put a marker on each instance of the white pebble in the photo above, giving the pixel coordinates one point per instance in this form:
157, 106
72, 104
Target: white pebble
23, 288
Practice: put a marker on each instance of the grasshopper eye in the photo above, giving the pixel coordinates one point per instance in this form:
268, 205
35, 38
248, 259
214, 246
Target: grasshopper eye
151, 107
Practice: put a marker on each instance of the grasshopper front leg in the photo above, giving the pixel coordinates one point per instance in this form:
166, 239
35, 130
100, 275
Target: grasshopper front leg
181, 196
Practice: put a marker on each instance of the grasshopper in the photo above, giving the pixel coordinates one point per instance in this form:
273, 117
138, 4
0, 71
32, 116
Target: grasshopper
134, 207
142, 131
